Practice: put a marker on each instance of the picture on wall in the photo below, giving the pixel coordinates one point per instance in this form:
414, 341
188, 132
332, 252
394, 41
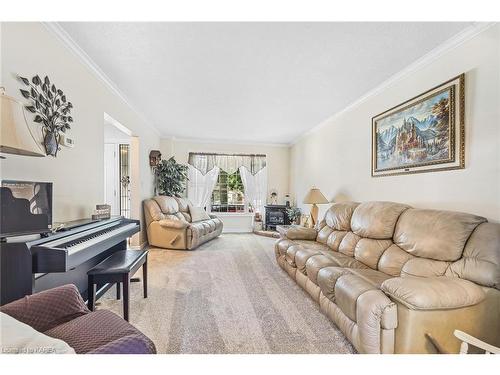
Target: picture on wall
423, 134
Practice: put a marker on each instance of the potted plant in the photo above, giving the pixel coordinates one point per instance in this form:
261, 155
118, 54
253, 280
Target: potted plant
293, 214
171, 177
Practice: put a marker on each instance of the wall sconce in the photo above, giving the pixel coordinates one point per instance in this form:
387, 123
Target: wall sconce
154, 158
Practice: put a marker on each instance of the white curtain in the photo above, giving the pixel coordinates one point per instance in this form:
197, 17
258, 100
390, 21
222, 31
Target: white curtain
228, 163
200, 187
255, 186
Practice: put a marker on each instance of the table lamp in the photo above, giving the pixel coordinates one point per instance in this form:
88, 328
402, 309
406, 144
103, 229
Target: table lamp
15, 134
314, 197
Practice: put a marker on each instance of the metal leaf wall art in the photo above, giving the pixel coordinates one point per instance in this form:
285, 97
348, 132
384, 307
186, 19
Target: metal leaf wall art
51, 108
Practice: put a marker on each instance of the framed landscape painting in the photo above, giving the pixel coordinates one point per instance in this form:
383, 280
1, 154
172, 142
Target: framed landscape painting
423, 134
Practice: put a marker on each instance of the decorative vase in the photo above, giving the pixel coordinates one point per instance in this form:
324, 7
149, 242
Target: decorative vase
50, 143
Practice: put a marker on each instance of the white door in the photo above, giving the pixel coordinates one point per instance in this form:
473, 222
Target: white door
111, 177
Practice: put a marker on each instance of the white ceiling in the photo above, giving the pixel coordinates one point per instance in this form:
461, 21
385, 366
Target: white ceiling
251, 82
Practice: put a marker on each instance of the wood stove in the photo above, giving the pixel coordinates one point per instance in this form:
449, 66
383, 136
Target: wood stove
276, 215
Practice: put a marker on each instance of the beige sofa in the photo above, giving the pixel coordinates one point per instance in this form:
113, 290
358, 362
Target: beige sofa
169, 224
395, 279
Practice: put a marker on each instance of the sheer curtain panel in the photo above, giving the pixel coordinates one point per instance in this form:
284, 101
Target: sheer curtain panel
255, 186
200, 187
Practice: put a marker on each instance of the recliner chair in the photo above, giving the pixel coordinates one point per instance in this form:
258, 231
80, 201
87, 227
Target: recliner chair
169, 224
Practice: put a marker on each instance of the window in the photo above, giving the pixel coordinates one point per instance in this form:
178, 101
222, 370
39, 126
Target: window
228, 194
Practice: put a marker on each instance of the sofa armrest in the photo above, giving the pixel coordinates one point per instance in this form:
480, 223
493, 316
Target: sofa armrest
176, 224
298, 233
49, 308
433, 293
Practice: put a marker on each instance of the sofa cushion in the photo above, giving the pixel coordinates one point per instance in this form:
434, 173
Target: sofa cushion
347, 290
315, 263
183, 203
327, 278
290, 254
392, 260
335, 238
434, 234
218, 223
376, 219
323, 234
480, 262
187, 216
168, 205
433, 293
180, 216
339, 215
348, 244
282, 245
171, 217
342, 260
302, 256
153, 210
206, 227
369, 251
19, 338
312, 245
424, 267
212, 224
91, 331
198, 229
376, 278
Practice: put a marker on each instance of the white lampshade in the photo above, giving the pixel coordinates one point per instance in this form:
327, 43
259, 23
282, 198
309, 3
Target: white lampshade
15, 134
315, 196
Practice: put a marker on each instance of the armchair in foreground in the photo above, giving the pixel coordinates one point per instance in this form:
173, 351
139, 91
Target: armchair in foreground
61, 313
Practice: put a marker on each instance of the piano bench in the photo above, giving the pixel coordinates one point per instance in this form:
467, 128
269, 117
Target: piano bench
118, 268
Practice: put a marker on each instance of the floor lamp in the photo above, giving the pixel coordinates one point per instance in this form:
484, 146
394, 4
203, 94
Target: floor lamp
315, 197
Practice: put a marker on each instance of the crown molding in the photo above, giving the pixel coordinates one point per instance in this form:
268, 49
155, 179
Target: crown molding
425, 60
450, 44
226, 142
86, 60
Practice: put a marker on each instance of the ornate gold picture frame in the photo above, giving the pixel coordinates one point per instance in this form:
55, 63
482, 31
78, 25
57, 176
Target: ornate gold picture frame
423, 134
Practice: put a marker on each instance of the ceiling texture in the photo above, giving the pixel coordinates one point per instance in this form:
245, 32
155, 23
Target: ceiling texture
251, 82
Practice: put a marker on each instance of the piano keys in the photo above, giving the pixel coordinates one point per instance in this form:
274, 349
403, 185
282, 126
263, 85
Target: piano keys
61, 258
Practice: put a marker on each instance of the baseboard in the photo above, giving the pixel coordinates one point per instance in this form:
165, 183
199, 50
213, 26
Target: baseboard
235, 231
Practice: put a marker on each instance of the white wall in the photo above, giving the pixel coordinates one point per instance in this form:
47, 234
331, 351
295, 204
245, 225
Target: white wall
336, 157
277, 158
28, 49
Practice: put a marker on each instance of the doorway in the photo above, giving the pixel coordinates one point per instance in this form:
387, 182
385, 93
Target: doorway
117, 173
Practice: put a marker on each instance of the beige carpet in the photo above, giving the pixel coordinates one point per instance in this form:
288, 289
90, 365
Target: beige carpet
228, 296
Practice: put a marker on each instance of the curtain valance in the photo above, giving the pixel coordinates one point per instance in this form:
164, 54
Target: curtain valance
229, 163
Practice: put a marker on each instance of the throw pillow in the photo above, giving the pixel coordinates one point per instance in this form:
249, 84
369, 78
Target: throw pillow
198, 214
20, 338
